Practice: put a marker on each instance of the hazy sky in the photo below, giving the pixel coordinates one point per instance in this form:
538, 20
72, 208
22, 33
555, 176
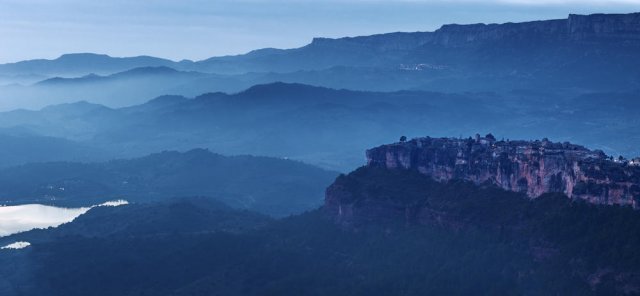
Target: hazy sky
197, 29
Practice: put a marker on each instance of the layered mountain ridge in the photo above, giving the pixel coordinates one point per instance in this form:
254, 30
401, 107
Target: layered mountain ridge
274, 120
594, 27
583, 53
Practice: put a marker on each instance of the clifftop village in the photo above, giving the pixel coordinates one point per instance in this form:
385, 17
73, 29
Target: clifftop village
545, 144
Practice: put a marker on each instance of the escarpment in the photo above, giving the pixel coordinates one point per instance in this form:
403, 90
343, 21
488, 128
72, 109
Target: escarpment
429, 180
575, 28
531, 167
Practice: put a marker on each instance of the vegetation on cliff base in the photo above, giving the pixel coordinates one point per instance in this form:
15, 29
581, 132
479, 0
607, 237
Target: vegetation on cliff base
486, 241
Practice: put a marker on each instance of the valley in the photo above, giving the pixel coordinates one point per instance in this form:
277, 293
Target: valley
467, 159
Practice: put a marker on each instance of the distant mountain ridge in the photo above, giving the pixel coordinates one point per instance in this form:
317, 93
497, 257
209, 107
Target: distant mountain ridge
583, 53
19, 147
82, 64
128, 74
573, 56
575, 28
275, 119
391, 49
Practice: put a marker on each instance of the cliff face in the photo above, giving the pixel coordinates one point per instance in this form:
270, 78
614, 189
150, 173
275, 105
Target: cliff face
378, 43
464, 35
575, 28
604, 26
533, 168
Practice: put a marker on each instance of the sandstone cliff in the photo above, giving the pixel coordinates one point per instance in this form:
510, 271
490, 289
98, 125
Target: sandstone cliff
531, 167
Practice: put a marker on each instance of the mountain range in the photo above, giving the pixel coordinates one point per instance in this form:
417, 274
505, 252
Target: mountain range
592, 53
320, 126
245, 175
381, 50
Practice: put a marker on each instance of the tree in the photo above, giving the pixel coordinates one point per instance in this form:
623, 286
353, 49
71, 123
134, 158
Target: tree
403, 139
490, 137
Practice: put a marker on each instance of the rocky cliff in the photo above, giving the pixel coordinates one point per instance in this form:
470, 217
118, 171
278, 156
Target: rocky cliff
531, 167
575, 28
604, 26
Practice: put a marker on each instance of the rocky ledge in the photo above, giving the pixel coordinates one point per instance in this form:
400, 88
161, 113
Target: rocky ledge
575, 28
531, 167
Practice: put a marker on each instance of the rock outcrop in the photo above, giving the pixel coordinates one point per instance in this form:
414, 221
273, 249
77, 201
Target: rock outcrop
531, 167
604, 26
575, 28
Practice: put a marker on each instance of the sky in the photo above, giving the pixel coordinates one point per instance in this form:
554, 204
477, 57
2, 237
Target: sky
198, 29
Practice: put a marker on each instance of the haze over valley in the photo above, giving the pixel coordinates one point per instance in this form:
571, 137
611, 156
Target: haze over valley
467, 159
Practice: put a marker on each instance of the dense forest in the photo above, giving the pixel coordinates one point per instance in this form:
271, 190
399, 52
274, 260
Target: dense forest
485, 241
273, 186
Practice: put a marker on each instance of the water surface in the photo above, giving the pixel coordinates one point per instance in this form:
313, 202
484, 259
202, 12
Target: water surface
14, 219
